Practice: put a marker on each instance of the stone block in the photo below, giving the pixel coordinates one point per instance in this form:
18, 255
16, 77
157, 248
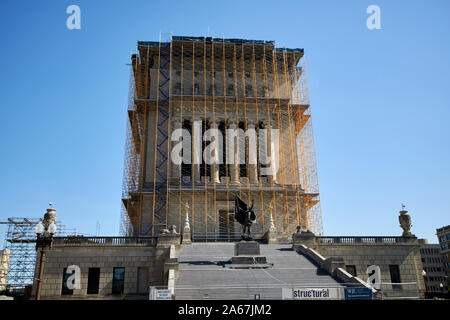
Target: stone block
167, 239
249, 248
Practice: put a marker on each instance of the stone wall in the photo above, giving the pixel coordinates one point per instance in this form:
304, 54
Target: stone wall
143, 263
362, 252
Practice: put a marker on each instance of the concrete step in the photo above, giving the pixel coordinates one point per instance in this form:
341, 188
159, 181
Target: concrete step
202, 274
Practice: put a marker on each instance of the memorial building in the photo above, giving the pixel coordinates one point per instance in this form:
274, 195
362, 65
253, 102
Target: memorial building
209, 120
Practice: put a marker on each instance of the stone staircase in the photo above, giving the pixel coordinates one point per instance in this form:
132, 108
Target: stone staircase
202, 274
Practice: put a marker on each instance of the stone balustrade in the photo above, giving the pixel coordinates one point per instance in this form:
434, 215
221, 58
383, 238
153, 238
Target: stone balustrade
105, 241
364, 240
309, 238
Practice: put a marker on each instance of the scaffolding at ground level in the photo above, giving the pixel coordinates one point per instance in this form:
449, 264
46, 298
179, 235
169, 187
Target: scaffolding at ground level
201, 85
20, 240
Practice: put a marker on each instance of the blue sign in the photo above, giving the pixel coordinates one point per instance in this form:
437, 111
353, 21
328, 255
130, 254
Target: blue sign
358, 293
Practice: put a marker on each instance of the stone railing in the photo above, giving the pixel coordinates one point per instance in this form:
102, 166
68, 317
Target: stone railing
105, 241
364, 240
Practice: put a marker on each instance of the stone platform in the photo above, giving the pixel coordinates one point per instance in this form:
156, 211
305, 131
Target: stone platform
247, 255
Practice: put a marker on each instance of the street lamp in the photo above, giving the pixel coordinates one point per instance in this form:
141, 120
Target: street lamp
45, 231
424, 275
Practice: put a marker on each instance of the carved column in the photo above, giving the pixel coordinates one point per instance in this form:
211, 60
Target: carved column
234, 168
271, 155
197, 152
176, 168
252, 154
215, 165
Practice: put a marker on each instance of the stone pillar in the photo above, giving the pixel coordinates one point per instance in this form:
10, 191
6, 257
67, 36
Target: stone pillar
176, 168
271, 155
234, 168
268, 150
197, 152
252, 155
215, 166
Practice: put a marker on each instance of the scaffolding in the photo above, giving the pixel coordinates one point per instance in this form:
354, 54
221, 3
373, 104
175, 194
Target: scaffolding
20, 240
203, 86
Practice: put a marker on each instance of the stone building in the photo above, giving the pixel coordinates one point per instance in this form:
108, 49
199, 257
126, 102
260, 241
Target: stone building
178, 217
443, 235
126, 267
432, 265
236, 112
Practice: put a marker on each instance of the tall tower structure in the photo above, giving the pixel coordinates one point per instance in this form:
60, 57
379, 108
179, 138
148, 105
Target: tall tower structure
245, 103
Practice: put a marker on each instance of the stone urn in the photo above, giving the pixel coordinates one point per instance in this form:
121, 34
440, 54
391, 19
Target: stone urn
405, 222
49, 217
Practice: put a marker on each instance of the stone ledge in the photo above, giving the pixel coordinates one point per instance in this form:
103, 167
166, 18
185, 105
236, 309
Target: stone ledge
168, 239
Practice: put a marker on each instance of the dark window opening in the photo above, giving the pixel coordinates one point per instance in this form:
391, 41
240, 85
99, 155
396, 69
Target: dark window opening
222, 166
262, 167
395, 276
242, 166
93, 280
351, 269
118, 280
186, 168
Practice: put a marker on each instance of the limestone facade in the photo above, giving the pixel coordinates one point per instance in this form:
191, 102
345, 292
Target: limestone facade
142, 259
357, 253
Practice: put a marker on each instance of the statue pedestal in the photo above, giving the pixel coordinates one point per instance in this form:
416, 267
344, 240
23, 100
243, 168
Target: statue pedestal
247, 255
271, 237
186, 238
247, 248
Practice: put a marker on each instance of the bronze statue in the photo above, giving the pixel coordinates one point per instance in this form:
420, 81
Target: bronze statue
245, 216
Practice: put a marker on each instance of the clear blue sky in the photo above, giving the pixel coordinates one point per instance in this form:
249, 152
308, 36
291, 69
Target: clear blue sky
380, 102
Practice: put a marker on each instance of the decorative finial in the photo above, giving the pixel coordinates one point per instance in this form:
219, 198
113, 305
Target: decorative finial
271, 223
50, 204
403, 206
187, 227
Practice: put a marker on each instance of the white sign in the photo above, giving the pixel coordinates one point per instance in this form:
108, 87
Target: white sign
163, 295
310, 293
160, 294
